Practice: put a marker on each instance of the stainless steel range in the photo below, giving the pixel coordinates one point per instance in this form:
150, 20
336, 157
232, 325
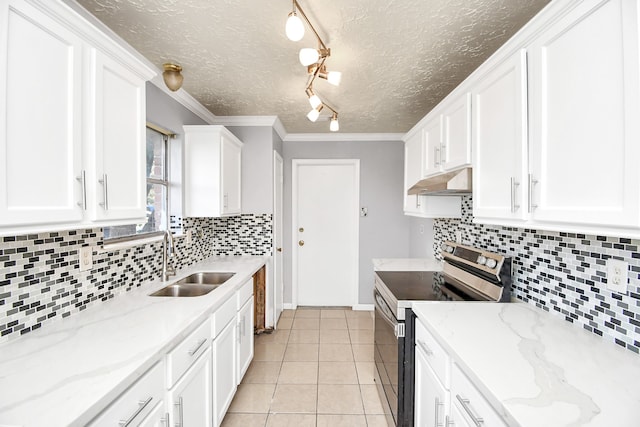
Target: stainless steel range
468, 274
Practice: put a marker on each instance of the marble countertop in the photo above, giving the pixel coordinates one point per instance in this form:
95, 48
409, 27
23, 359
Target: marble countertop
66, 373
406, 264
535, 368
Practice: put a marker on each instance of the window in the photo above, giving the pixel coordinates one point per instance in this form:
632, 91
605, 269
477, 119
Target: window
157, 189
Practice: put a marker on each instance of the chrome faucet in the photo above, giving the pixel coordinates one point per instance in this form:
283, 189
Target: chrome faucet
168, 249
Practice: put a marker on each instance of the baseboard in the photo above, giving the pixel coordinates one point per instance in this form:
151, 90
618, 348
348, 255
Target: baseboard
362, 307
288, 306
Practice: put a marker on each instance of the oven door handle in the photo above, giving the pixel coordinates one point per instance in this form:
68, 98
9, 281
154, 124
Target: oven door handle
385, 313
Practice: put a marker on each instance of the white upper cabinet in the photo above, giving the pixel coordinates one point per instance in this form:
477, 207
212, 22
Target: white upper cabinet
585, 118
40, 118
212, 172
412, 172
72, 112
117, 155
500, 141
455, 151
432, 148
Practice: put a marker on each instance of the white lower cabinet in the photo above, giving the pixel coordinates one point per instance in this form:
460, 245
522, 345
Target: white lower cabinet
136, 402
224, 371
431, 395
444, 396
191, 398
245, 329
158, 417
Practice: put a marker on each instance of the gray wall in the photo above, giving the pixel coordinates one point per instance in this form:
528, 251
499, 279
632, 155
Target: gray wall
420, 237
384, 233
166, 112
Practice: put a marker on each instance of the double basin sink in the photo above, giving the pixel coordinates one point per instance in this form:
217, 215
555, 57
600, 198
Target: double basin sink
194, 285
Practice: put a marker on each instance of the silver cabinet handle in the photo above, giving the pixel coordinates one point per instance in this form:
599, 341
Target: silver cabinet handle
141, 405
225, 201
449, 422
180, 406
417, 200
437, 411
424, 347
532, 182
477, 421
105, 192
165, 420
195, 349
514, 185
436, 156
443, 153
83, 182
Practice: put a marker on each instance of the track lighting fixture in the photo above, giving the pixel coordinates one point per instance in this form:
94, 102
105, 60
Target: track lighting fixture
314, 60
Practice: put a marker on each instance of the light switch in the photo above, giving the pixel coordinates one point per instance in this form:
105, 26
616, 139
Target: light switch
86, 258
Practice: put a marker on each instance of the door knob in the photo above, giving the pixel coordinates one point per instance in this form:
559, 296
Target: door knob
301, 243
279, 249
301, 230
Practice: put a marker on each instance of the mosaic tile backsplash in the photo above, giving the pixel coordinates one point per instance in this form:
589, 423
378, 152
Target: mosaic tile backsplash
562, 273
41, 281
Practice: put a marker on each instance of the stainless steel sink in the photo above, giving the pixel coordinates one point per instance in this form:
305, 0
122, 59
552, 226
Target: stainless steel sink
207, 278
194, 285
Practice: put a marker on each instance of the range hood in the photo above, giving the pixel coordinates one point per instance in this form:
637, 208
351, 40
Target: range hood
449, 183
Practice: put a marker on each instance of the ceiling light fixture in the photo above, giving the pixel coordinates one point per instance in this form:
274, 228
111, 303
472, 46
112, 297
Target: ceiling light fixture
314, 60
172, 77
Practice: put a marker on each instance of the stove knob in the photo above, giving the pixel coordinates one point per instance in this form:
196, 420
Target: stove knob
491, 263
481, 260
444, 247
450, 249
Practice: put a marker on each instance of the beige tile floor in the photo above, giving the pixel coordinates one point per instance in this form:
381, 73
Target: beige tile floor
315, 370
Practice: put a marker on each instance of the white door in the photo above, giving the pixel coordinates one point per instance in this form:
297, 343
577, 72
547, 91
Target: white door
456, 126
190, 398
231, 176
413, 173
224, 360
430, 398
325, 221
432, 152
40, 118
278, 285
245, 339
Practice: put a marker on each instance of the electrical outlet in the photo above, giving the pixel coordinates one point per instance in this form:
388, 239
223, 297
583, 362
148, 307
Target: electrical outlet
458, 236
86, 258
617, 272
421, 228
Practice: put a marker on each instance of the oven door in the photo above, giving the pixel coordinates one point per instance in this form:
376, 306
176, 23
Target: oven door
386, 356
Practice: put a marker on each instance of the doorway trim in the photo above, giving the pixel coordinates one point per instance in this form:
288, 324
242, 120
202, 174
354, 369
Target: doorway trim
354, 239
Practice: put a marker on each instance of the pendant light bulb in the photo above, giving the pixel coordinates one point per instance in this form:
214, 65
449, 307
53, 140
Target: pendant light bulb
334, 126
308, 56
314, 114
294, 29
334, 77
315, 101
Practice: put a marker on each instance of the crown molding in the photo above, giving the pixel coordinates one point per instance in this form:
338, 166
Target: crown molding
343, 137
272, 121
183, 97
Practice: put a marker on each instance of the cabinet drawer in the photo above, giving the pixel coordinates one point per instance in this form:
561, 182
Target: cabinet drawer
471, 402
244, 293
224, 315
184, 354
434, 353
136, 402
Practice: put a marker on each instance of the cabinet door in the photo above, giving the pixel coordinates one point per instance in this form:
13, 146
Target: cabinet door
191, 398
500, 141
40, 118
156, 418
456, 417
456, 125
231, 176
224, 371
245, 338
432, 154
430, 397
412, 172
117, 129
584, 117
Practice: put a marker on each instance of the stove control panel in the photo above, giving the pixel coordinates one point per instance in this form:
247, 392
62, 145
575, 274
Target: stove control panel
478, 258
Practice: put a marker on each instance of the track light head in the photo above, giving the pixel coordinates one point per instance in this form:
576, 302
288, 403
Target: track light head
294, 28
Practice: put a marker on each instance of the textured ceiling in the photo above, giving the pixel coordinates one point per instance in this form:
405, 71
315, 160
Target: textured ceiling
398, 58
